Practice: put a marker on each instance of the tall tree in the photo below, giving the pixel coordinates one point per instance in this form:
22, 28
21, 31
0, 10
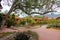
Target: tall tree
44, 6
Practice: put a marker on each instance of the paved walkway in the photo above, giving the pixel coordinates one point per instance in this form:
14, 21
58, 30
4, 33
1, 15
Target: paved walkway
7, 30
44, 34
47, 34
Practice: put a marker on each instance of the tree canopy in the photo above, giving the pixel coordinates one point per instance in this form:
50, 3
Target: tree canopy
43, 6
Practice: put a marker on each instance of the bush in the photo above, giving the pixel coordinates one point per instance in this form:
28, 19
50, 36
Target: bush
22, 36
33, 34
28, 35
22, 22
56, 25
1, 19
10, 21
52, 21
43, 22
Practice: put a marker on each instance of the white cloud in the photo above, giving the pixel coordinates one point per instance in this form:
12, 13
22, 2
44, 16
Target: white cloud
5, 8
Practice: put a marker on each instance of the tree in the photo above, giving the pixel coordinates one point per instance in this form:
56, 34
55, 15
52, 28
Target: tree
44, 6
1, 19
10, 21
28, 5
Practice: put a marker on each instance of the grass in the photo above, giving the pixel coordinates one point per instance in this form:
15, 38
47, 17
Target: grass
5, 34
34, 34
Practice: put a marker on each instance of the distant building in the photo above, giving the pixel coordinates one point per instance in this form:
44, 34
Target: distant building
58, 18
46, 18
36, 19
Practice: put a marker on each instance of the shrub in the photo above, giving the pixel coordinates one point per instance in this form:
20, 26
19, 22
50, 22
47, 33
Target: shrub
33, 34
43, 22
50, 25
52, 21
1, 19
22, 22
56, 25
33, 22
22, 36
28, 35
10, 21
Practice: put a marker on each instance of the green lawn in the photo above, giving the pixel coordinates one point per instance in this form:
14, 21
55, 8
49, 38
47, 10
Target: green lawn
34, 35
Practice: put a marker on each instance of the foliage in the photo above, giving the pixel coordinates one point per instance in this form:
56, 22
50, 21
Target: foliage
22, 22
22, 36
1, 18
30, 21
36, 16
42, 22
51, 21
34, 34
28, 5
11, 21
28, 35
41, 16
55, 25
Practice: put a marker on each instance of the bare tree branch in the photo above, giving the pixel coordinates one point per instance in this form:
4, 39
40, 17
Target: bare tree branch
42, 13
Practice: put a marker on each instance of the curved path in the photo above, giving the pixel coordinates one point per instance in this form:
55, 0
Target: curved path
47, 34
43, 32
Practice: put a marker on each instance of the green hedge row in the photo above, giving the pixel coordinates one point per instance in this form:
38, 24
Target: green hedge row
55, 25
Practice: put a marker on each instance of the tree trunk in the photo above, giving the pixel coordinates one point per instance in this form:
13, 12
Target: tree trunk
5, 18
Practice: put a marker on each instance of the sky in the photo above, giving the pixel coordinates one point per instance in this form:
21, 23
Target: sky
6, 8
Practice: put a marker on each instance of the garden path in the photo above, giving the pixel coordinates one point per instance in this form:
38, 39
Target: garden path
47, 34
43, 32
